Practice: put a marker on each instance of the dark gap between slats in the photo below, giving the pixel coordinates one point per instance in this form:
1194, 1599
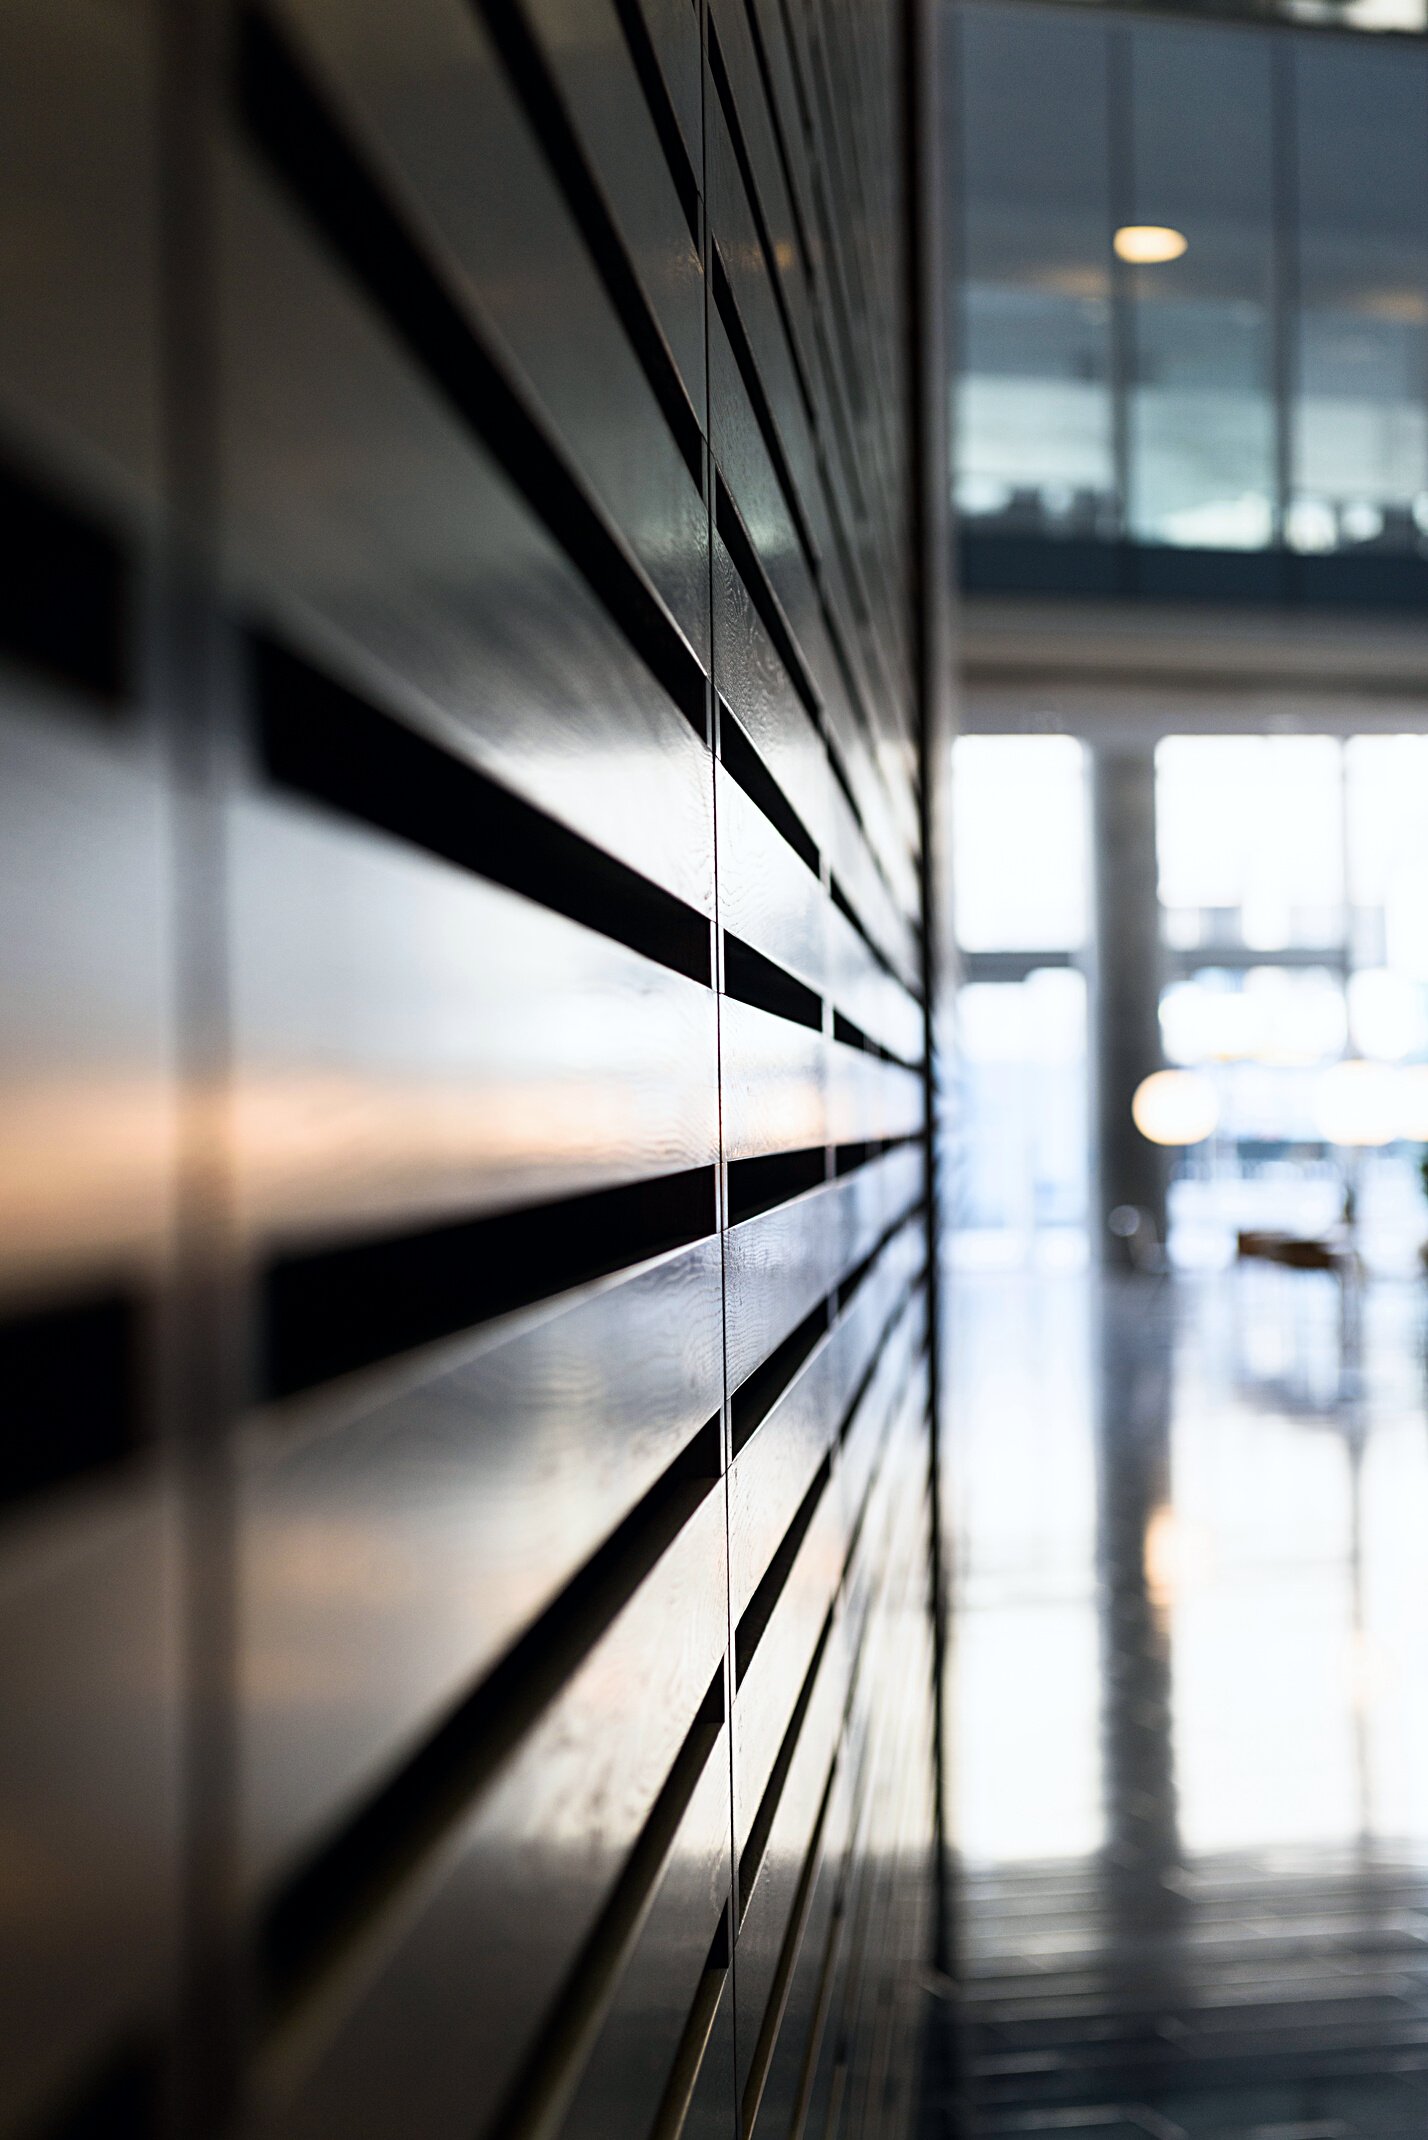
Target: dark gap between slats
545, 107
752, 1855
747, 366
325, 1312
71, 1392
855, 1533
757, 981
650, 74
848, 1287
66, 592
734, 125
581, 2002
773, 2015
827, 1970
120, 2099
757, 1395
840, 774
759, 1185
325, 741
746, 561
743, 763
848, 1158
855, 921
776, 127
759, 1610
300, 140
334, 1895
865, 1380
853, 1036
669, 2119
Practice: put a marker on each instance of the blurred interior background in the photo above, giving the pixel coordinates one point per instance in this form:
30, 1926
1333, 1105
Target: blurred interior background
1188, 1205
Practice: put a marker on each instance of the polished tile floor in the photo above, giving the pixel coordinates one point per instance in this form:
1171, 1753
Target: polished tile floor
1190, 1707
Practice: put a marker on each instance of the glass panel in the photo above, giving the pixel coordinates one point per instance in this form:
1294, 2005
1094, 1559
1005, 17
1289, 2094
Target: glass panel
1034, 421
1019, 843
1361, 413
1202, 430
1022, 1067
1388, 857
1249, 832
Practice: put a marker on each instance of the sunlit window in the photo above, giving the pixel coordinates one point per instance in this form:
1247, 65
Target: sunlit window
1263, 383
1250, 840
1019, 848
1034, 402
1387, 807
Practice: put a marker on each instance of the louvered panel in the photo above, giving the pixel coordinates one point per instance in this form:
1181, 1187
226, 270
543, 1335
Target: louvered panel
463, 1186
371, 1091
379, 532
610, 1764
396, 1541
455, 113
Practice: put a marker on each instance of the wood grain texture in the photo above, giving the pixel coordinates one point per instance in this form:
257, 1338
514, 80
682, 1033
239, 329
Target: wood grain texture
413, 1043
465, 1521
394, 1541
431, 92
513, 1891
379, 531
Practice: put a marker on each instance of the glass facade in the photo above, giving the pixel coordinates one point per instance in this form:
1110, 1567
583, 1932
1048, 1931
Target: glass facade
1037, 450
1267, 385
1360, 408
1293, 891
1201, 445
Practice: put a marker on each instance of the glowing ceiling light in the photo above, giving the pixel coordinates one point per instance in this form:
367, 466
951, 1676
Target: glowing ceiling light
1175, 1107
1149, 244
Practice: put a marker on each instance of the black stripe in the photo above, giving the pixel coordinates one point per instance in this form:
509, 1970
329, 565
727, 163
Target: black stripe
320, 738
303, 144
329, 1311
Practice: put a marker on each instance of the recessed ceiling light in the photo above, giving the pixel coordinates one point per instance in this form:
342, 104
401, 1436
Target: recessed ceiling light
1148, 244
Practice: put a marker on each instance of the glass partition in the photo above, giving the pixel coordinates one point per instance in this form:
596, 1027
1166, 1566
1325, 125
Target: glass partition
1034, 417
1361, 370
1201, 411
1019, 843
1266, 383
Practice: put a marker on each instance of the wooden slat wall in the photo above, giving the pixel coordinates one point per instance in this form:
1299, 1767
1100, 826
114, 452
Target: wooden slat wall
466, 1517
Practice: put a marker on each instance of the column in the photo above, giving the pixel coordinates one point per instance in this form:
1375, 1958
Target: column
1125, 994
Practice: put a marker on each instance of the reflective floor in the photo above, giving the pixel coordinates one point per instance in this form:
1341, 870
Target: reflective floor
1191, 1706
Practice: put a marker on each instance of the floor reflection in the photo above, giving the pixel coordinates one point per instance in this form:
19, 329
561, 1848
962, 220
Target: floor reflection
1190, 1689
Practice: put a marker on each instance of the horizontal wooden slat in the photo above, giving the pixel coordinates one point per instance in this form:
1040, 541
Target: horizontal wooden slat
777, 1266
89, 1787
774, 1082
382, 533
589, 59
767, 895
785, 1859
769, 1477
88, 1096
517, 1888
633, 2062
394, 1541
469, 160
372, 1091
80, 239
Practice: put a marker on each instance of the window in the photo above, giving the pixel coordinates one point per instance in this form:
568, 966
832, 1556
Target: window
1250, 841
1034, 418
1361, 375
1201, 418
1019, 843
